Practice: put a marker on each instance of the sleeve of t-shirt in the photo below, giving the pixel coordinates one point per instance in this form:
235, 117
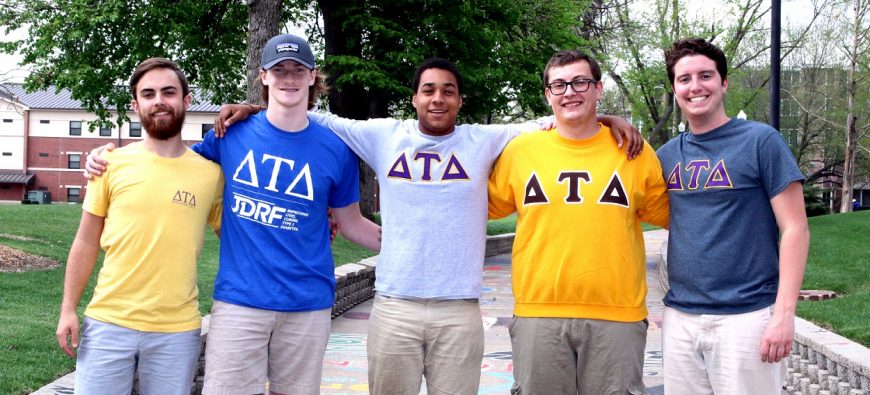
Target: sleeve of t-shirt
216, 211
777, 165
656, 206
209, 148
363, 137
97, 196
509, 132
346, 190
501, 194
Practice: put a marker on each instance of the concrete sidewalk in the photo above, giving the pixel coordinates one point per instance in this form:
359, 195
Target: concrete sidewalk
344, 369
344, 366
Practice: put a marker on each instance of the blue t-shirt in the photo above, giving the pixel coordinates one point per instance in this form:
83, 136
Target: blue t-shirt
275, 251
723, 254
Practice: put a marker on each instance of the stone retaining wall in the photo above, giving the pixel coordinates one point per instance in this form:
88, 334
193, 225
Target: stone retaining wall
821, 363
825, 363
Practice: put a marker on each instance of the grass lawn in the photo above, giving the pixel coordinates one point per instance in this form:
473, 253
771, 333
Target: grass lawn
29, 302
29, 357
839, 260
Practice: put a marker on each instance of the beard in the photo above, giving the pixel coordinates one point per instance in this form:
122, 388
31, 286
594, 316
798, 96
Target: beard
163, 129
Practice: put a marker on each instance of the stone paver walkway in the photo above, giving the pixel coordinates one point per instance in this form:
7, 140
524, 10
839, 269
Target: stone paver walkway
344, 367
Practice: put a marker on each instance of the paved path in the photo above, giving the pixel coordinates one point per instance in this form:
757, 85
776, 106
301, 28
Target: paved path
344, 369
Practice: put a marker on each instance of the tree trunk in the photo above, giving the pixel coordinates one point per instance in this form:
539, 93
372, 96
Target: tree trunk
264, 20
851, 120
342, 37
659, 133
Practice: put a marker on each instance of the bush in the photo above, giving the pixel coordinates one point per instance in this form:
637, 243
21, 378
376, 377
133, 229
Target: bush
813, 203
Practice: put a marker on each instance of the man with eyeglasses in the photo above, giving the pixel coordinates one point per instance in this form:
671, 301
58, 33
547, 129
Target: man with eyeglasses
578, 261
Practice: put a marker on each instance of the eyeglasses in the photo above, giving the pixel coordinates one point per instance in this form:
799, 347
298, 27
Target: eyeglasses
579, 85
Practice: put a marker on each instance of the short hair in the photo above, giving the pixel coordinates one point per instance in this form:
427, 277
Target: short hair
157, 63
437, 63
695, 46
563, 58
320, 88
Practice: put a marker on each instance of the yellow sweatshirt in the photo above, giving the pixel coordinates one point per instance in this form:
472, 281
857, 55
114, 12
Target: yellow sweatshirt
579, 250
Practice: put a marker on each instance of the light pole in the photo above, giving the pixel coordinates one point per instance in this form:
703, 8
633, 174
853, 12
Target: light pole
774, 62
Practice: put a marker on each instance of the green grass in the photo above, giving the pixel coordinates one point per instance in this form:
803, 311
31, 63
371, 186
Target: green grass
29, 302
29, 357
839, 260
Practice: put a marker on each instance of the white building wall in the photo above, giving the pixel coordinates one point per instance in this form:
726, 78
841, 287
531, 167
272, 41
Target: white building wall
11, 136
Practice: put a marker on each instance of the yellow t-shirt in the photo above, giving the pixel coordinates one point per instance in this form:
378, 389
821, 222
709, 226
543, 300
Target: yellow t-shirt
155, 211
579, 250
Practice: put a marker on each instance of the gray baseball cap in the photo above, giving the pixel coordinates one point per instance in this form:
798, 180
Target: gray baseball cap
287, 47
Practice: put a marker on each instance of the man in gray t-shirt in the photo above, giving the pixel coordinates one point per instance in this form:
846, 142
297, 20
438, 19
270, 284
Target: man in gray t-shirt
432, 175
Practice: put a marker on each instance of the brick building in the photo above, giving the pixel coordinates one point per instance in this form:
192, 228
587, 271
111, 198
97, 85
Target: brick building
45, 138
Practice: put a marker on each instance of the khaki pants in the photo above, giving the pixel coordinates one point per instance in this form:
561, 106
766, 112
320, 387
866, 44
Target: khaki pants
247, 347
570, 356
411, 338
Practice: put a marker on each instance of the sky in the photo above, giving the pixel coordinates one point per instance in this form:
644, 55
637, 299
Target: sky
791, 10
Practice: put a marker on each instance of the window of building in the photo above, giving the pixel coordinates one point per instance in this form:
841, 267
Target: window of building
7, 154
75, 161
206, 127
72, 194
135, 129
44, 121
43, 154
7, 121
105, 131
75, 128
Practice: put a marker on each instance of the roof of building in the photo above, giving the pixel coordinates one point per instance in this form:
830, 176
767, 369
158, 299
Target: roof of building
15, 178
51, 99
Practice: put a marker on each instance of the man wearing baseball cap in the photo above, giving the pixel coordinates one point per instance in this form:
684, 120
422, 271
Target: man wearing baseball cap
275, 288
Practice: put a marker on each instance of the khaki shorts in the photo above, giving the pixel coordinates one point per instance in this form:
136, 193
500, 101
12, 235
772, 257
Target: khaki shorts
410, 338
247, 347
576, 355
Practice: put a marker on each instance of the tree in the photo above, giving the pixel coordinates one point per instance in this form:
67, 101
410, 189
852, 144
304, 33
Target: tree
372, 47
631, 37
856, 51
92, 47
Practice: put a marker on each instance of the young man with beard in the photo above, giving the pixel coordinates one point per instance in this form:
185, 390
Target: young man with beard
738, 239
148, 213
578, 264
432, 175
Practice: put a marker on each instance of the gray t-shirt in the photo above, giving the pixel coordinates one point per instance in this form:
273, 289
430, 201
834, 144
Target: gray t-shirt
433, 201
723, 255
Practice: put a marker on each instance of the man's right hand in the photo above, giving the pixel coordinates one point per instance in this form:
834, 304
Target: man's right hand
96, 165
232, 113
68, 333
